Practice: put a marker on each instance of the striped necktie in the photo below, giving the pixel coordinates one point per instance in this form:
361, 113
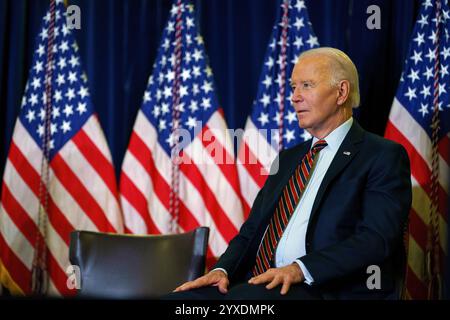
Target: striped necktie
286, 205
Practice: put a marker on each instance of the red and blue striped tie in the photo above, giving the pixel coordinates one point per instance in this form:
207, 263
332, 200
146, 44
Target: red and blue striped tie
285, 208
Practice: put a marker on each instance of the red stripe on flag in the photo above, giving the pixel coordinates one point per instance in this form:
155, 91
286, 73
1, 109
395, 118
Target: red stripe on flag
187, 220
418, 229
80, 194
96, 159
138, 201
223, 223
58, 276
416, 288
160, 187
143, 154
228, 168
253, 166
18, 214
31, 178
419, 168
17, 270
29, 230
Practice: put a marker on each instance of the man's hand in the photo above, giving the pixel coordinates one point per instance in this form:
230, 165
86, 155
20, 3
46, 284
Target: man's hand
213, 278
287, 276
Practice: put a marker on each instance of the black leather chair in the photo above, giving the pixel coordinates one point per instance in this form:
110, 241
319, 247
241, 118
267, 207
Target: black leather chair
117, 266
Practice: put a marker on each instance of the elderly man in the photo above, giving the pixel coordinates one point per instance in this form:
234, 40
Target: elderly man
337, 205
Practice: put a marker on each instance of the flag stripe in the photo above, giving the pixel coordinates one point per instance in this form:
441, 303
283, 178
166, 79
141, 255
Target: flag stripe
258, 145
24, 148
17, 270
144, 180
93, 131
58, 240
96, 160
80, 193
89, 177
138, 201
135, 223
228, 229
156, 203
142, 153
417, 288
20, 217
419, 169
228, 199
160, 172
78, 190
402, 126
250, 162
420, 229
31, 180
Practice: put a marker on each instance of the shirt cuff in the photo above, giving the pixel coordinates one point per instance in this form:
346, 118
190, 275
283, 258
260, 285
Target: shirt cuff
221, 269
308, 278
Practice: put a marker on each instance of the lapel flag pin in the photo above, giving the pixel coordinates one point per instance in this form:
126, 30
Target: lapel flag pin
347, 153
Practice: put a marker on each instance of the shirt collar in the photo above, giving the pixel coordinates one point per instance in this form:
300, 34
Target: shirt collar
335, 137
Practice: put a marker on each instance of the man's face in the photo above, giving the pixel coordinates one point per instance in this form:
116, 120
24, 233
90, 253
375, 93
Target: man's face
313, 97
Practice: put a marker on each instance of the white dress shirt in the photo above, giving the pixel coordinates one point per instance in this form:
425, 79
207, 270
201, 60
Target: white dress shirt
292, 243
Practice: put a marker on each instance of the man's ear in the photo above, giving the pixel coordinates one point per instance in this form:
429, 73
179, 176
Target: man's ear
343, 92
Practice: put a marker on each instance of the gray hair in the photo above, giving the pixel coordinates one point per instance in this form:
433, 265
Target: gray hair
342, 68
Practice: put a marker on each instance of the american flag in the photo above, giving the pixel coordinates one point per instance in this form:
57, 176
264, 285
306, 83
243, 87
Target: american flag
423, 100
82, 190
159, 195
273, 125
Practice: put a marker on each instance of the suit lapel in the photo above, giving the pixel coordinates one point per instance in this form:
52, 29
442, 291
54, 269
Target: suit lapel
348, 149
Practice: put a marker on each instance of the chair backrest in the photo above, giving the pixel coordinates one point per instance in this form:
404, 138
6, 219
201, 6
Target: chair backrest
117, 266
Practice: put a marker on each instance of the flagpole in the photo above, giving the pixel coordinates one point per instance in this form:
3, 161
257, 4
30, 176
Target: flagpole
433, 244
285, 24
175, 172
39, 276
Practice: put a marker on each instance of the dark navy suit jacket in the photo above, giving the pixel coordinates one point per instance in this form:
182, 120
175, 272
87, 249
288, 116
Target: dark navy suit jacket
357, 219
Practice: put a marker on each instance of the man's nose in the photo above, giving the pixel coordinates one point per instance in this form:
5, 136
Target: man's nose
297, 95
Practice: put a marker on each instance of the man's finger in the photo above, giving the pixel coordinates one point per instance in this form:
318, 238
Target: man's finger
262, 278
285, 288
223, 286
180, 288
190, 285
276, 281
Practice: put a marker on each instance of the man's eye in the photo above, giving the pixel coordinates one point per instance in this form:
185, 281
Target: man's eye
306, 85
